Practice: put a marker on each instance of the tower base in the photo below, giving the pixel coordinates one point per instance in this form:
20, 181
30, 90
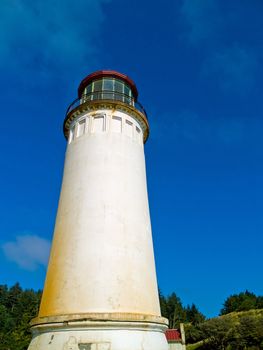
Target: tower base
99, 332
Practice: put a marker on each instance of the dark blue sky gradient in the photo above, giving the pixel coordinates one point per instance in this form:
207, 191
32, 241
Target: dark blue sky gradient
197, 66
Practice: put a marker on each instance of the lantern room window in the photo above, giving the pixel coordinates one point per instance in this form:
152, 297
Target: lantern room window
109, 89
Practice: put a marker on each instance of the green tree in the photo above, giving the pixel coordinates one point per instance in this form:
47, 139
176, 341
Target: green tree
17, 308
3, 295
193, 315
175, 311
259, 304
163, 304
172, 309
193, 333
239, 302
250, 330
217, 333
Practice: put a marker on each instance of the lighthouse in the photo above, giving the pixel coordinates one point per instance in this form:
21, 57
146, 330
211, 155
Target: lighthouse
101, 290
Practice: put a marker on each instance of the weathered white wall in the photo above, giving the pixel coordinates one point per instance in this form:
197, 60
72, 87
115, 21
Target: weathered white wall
176, 346
102, 254
101, 336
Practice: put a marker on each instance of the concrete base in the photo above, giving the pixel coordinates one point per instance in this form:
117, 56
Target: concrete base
75, 333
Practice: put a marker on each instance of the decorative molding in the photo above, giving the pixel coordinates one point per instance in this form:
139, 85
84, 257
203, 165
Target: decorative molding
100, 316
91, 106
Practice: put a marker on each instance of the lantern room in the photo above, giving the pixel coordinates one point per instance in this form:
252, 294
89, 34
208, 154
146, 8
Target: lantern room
107, 89
108, 85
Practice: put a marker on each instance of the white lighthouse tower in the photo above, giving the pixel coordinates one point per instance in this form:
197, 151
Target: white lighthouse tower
100, 291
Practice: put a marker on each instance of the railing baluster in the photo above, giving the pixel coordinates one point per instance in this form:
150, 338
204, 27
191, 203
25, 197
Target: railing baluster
106, 95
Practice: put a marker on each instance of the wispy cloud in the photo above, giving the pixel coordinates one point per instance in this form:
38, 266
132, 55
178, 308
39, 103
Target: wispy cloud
27, 251
215, 30
234, 67
190, 127
226, 130
233, 131
202, 20
49, 36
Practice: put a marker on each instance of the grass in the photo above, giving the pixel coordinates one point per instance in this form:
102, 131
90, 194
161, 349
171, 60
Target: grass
235, 319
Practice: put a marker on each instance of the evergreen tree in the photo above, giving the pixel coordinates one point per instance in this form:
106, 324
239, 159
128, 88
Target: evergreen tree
163, 305
17, 308
175, 311
193, 315
240, 302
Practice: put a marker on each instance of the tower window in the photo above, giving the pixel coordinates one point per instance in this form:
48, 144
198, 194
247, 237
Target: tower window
138, 134
128, 128
71, 134
81, 127
98, 124
116, 124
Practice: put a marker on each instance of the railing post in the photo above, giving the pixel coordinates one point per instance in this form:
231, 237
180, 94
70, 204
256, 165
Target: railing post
106, 94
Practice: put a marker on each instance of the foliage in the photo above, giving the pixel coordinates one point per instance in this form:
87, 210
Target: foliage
17, 308
173, 310
230, 331
193, 333
193, 315
242, 302
250, 332
235, 331
217, 332
195, 346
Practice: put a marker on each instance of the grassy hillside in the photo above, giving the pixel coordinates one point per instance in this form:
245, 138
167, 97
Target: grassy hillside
234, 331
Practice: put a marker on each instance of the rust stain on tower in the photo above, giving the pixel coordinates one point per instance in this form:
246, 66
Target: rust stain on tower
101, 290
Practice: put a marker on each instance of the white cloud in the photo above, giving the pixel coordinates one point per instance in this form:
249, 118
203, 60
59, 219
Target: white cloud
27, 251
49, 36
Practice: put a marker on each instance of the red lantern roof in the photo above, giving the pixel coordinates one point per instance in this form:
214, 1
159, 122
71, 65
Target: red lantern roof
108, 73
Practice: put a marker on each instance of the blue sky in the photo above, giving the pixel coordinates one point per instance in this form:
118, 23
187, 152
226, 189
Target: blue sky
198, 69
